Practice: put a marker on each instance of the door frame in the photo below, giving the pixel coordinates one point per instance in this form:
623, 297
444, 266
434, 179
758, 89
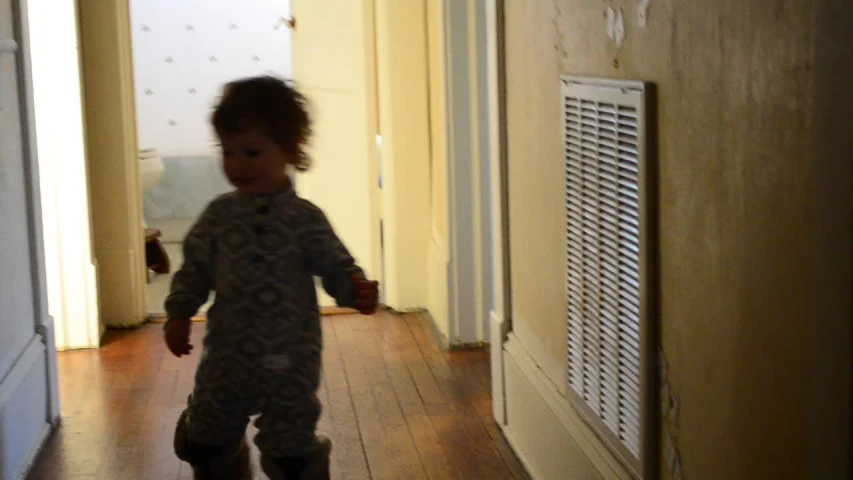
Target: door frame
111, 16
500, 321
19, 387
477, 290
478, 276
115, 206
58, 131
467, 281
44, 325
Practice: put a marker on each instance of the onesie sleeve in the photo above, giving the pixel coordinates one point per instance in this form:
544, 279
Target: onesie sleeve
329, 259
192, 283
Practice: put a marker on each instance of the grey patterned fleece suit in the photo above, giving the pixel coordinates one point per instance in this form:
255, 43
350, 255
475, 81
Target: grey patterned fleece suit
262, 351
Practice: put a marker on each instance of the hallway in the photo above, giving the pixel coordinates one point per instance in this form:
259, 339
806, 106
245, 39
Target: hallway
396, 406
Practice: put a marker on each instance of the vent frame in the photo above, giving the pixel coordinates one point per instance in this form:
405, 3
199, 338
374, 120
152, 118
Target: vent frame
585, 174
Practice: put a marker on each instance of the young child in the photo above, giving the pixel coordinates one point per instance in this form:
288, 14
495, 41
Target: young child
259, 248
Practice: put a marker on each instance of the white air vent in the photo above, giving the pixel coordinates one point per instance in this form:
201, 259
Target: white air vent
605, 253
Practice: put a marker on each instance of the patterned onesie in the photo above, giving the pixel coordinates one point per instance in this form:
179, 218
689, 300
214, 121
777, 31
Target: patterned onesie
262, 351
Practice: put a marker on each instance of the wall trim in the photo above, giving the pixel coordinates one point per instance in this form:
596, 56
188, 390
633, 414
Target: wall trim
497, 158
499, 321
45, 322
468, 180
58, 159
552, 395
35, 451
498, 329
115, 201
460, 215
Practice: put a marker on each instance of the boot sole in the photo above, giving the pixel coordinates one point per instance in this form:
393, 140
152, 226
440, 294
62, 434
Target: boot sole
318, 469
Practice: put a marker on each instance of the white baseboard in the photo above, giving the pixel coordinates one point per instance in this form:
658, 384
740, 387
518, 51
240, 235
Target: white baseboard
93, 309
497, 333
543, 428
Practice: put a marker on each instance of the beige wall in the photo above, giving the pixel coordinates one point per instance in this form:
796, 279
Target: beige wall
736, 202
438, 116
401, 56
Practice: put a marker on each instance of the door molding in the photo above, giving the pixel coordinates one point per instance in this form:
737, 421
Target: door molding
57, 149
465, 312
29, 400
113, 161
499, 315
476, 186
44, 321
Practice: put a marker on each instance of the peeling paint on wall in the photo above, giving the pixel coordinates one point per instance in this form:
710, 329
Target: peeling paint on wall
669, 412
672, 458
615, 30
616, 27
643, 13
669, 404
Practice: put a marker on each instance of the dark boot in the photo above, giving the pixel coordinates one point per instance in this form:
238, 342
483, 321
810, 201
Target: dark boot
238, 468
231, 462
314, 466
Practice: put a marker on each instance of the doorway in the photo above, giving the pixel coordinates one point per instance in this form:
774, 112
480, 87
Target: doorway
344, 173
183, 54
346, 97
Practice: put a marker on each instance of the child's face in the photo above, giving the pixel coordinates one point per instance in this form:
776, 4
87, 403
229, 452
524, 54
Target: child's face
253, 163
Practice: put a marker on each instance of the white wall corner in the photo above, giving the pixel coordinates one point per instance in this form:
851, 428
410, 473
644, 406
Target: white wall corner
440, 336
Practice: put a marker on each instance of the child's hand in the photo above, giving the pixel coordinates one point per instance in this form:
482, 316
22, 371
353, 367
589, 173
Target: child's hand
366, 295
178, 337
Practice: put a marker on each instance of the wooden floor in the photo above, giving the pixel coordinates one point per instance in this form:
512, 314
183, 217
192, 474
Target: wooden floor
397, 407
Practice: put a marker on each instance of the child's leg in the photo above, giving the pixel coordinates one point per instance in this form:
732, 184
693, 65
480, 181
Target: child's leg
210, 432
287, 426
206, 433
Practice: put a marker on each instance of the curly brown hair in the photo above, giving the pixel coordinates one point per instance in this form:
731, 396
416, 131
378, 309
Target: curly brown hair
270, 105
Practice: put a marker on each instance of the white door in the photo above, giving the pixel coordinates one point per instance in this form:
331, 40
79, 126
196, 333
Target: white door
27, 405
334, 66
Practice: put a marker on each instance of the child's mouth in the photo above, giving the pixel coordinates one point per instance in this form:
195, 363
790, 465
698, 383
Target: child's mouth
243, 182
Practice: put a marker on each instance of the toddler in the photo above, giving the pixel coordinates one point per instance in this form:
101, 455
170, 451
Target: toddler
259, 249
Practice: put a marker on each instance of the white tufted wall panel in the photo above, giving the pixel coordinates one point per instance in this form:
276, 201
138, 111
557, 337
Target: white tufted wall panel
185, 50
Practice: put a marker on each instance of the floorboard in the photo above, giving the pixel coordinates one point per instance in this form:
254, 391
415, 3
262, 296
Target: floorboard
396, 406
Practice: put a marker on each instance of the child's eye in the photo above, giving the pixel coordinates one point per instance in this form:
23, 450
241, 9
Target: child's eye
252, 153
